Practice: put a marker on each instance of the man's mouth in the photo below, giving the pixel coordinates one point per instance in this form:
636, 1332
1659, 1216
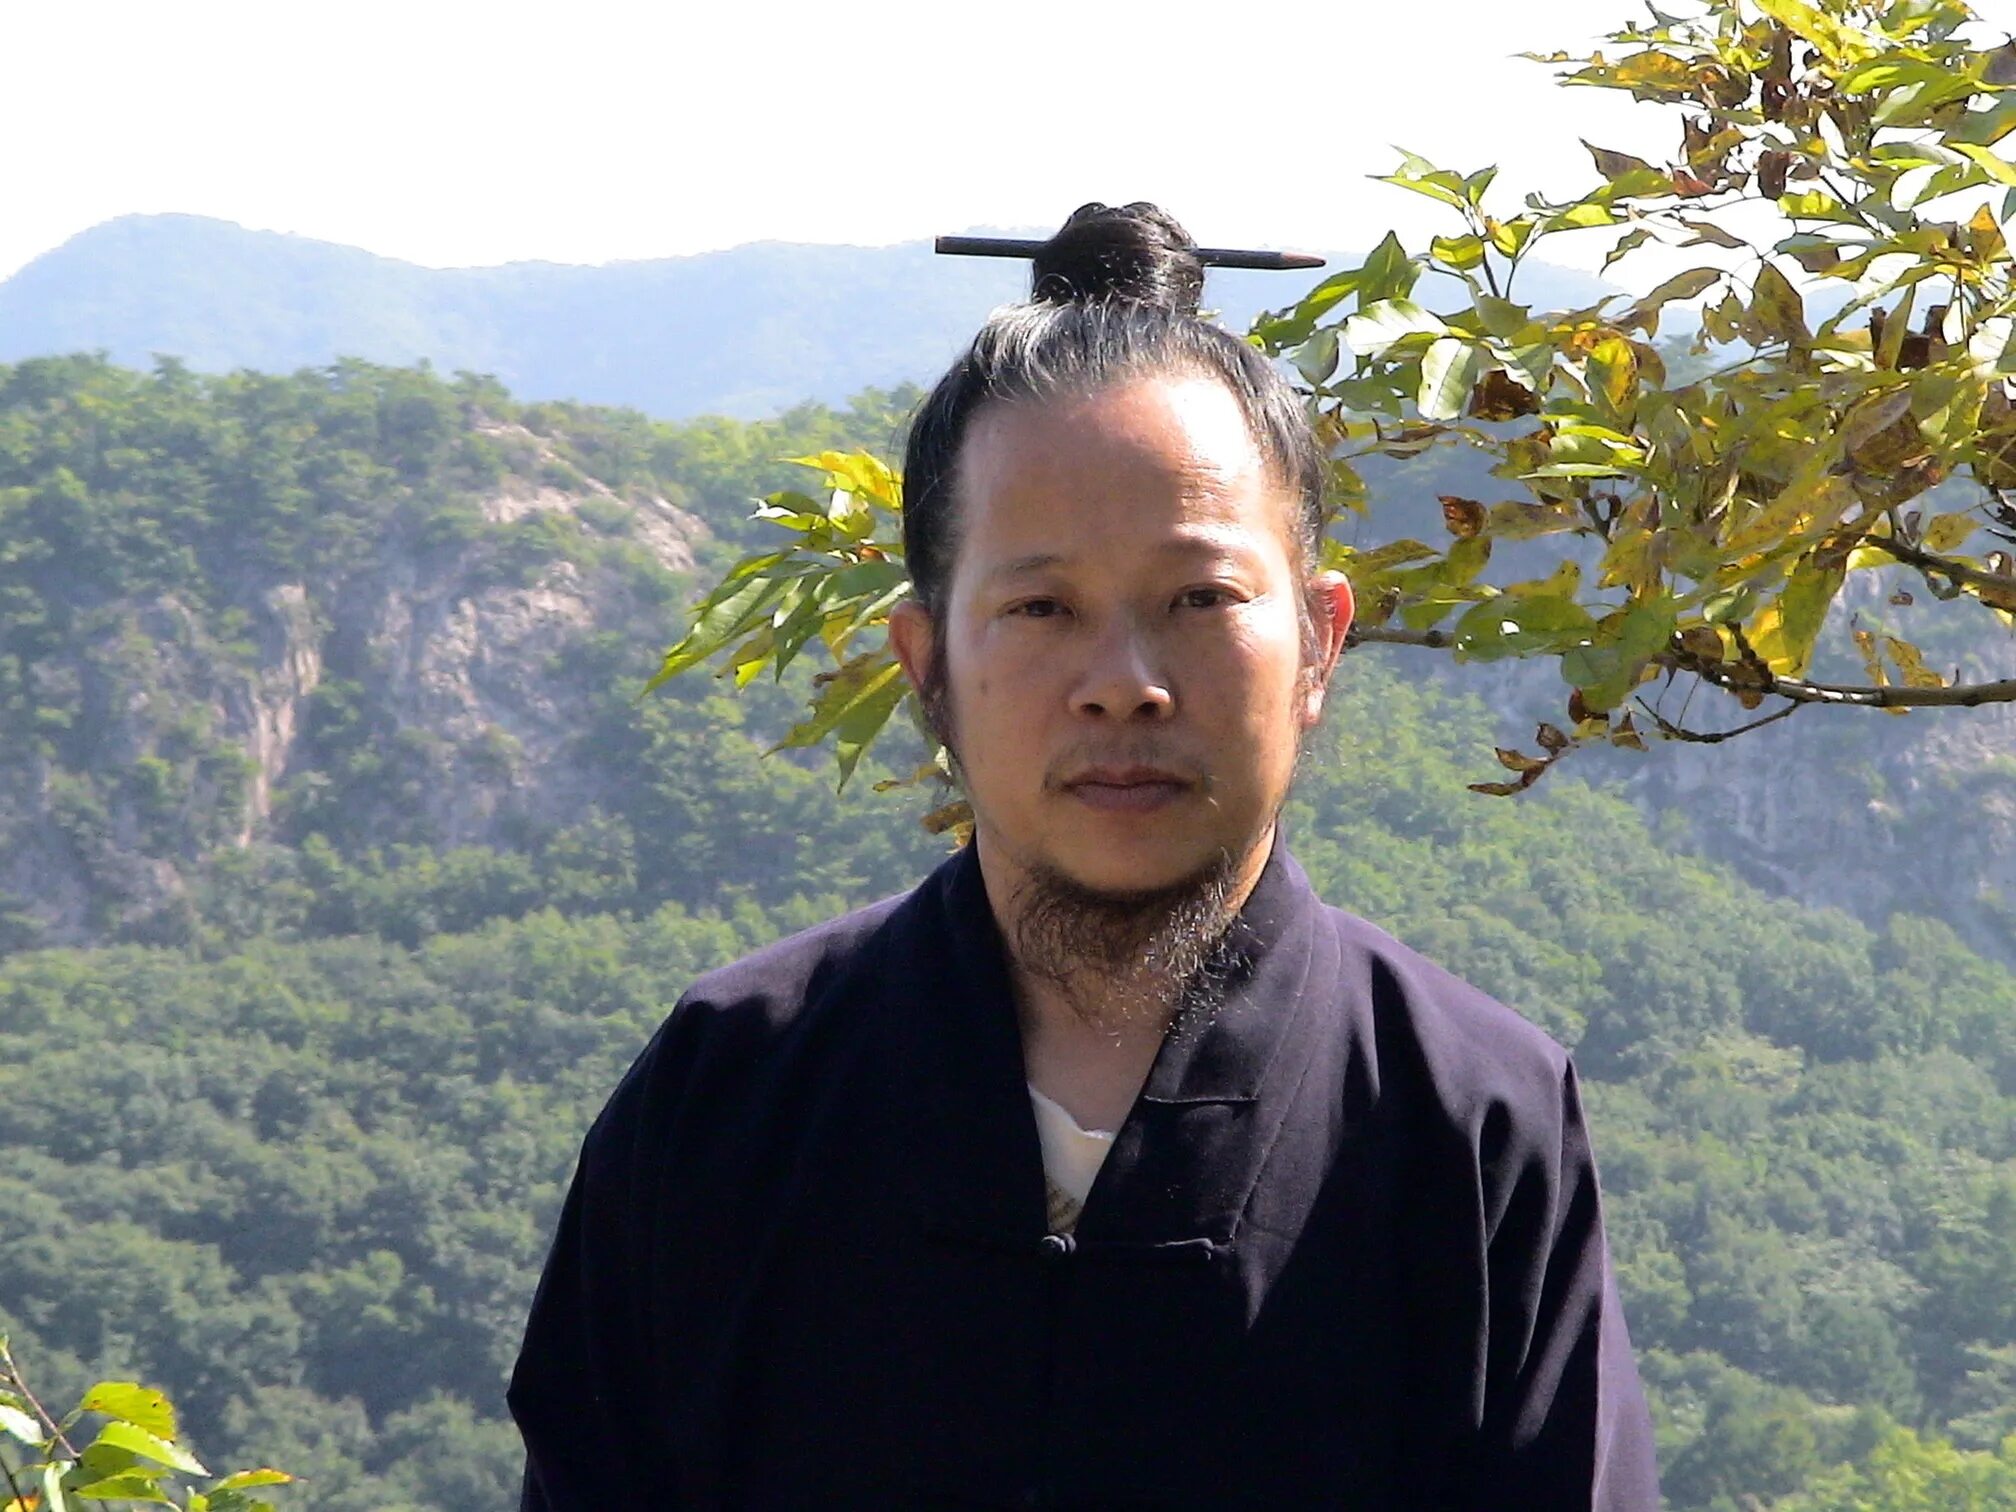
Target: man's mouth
1126, 790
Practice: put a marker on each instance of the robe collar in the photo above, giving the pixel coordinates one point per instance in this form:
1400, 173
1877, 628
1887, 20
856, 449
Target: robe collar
1182, 1162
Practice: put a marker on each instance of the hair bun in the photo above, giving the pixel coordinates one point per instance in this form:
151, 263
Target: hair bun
1134, 253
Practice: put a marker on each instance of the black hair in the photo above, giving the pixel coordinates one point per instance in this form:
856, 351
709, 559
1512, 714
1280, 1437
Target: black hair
1114, 295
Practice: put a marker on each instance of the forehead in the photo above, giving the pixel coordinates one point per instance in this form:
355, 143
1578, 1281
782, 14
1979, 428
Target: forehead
1129, 464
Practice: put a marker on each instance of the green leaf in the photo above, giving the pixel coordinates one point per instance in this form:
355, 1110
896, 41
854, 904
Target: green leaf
1294, 325
1501, 317
1388, 272
1316, 358
1449, 370
246, 1479
1629, 242
1381, 558
853, 703
132, 1486
1504, 627
1423, 177
137, 1440
1708, 233
1688, 285
1584, 217
1996, 167
1372, 330
718, 623
13, 1420
130, 1402
1461, 253
1614, 164
1816, 204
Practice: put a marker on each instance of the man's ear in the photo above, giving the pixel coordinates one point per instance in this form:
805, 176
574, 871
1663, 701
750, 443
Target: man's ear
910, 633
1331, 607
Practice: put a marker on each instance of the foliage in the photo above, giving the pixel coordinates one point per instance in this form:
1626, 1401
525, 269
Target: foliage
183, 556
132, 1457
297, 1162
1703, 525
1910, 1474
1688, 522
318, 1174
837, 580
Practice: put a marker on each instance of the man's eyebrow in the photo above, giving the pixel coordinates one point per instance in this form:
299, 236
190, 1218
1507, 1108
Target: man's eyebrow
1018, 566
1207, 543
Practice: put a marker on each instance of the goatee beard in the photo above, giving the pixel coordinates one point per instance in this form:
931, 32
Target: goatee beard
1121, 959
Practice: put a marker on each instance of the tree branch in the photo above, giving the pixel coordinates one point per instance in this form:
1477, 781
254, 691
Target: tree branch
1728, 678
21, 1385
1961, 695
1381, 635
1673, 731
13, 1485
1961, 574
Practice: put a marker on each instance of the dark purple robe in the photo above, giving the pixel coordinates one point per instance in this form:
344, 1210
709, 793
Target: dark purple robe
1346, 1252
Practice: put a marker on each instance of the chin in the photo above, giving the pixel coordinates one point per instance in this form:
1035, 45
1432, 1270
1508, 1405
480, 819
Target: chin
1120, 875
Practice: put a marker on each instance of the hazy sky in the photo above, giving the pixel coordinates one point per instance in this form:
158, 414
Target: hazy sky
451, 133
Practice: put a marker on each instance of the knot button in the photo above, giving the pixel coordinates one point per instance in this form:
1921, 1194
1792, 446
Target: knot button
1053, 1247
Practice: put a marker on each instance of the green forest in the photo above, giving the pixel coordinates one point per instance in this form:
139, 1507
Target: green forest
295, 1055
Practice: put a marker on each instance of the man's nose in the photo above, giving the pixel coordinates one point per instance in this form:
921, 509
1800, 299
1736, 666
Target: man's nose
1124, 678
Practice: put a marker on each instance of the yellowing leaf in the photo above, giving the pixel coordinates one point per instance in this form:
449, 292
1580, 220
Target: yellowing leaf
1839, 43
1653, 69
1911, 664
1944, 532
1776, 308
1784, 631
1613, 372
1803, 503
1872, 659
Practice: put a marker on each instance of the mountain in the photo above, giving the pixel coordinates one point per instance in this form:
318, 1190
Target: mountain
342, 872
744, 332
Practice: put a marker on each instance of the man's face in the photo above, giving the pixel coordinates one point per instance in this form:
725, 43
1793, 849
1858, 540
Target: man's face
1126, 686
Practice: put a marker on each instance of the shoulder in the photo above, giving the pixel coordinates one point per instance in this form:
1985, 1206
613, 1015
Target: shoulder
730, 1030
1477, 1059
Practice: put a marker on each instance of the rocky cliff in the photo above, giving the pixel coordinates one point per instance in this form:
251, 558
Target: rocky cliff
422, 684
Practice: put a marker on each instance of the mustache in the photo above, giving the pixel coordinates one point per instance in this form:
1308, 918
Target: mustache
1063, 769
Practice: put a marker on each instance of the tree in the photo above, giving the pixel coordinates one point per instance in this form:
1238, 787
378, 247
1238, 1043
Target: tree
132, 1457
1850, 413
1910, 1474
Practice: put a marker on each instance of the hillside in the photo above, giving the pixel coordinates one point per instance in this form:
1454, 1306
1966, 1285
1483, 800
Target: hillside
744, 332
347, 873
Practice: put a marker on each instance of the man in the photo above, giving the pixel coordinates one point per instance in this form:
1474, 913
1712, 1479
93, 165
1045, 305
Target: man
1109, 1168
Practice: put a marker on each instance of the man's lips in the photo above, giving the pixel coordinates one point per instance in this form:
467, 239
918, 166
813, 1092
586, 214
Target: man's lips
1127, 790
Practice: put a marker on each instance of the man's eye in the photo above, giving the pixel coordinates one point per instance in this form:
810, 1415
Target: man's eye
1203, 598
1037, 608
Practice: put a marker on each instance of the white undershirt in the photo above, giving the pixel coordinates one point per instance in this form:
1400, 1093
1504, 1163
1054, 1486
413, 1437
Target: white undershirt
1071, 1158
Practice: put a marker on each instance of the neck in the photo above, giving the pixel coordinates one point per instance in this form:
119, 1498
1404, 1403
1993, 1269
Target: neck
1099, 976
